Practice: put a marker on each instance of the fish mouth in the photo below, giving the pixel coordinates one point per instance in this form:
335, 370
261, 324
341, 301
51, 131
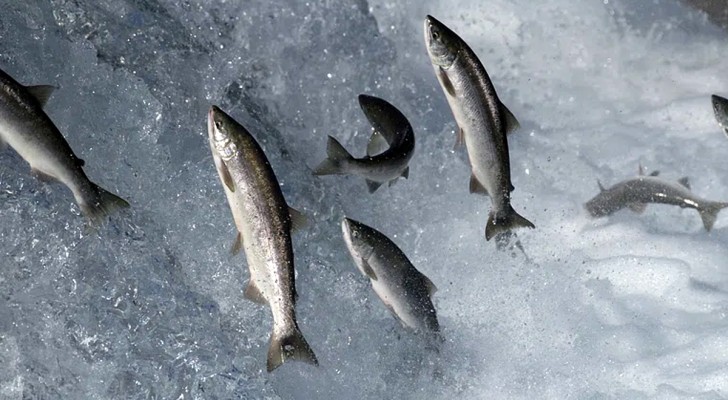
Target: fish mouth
211, 120
429, 23
346, 228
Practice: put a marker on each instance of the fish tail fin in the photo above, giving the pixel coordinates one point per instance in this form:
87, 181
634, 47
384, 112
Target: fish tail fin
289, 346
335, 164
100, 204
504, 222
709, 213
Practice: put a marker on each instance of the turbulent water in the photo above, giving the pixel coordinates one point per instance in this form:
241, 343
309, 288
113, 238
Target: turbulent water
151, 306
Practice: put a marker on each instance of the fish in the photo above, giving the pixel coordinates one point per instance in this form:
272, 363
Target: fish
637, 192
264, 223
26, 128
483, 123
404, 290
389, 150
720, 109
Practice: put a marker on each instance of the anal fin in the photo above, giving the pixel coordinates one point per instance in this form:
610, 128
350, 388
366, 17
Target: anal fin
42, 176
254, 294
476, 186
405, 173
41, 93
373, 186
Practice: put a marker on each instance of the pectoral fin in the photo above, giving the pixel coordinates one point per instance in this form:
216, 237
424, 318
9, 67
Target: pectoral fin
476, 186
226, 177
509, 120
446, 83
41, 93
367, 270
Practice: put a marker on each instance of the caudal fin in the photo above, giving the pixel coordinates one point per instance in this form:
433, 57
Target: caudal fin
335, 164
504, 222
289, 346
709, 213
100, 203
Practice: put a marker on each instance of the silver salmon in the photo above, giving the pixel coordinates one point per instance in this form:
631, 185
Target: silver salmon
389, 151
404, 290
636, 193
483, 122
30, 132
264, 223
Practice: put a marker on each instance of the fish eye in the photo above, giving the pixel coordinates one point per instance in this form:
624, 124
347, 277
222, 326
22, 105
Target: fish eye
435, 35
218, 125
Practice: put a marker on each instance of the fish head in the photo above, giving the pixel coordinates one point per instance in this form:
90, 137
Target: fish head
220, 128
442, 43
720, 108
357, 239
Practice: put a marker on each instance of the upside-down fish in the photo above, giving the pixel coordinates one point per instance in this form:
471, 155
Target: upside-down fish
637, 192
392, 131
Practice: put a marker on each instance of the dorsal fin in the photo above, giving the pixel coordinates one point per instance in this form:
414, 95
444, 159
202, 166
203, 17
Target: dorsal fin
510, 123
685, 182
476, 186
601, 188
298, 219
431, 288
41, 93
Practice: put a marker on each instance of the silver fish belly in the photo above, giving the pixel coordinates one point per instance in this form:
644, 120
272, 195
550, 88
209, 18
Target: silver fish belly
390, 147
31, 133
264, 225
483, 122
